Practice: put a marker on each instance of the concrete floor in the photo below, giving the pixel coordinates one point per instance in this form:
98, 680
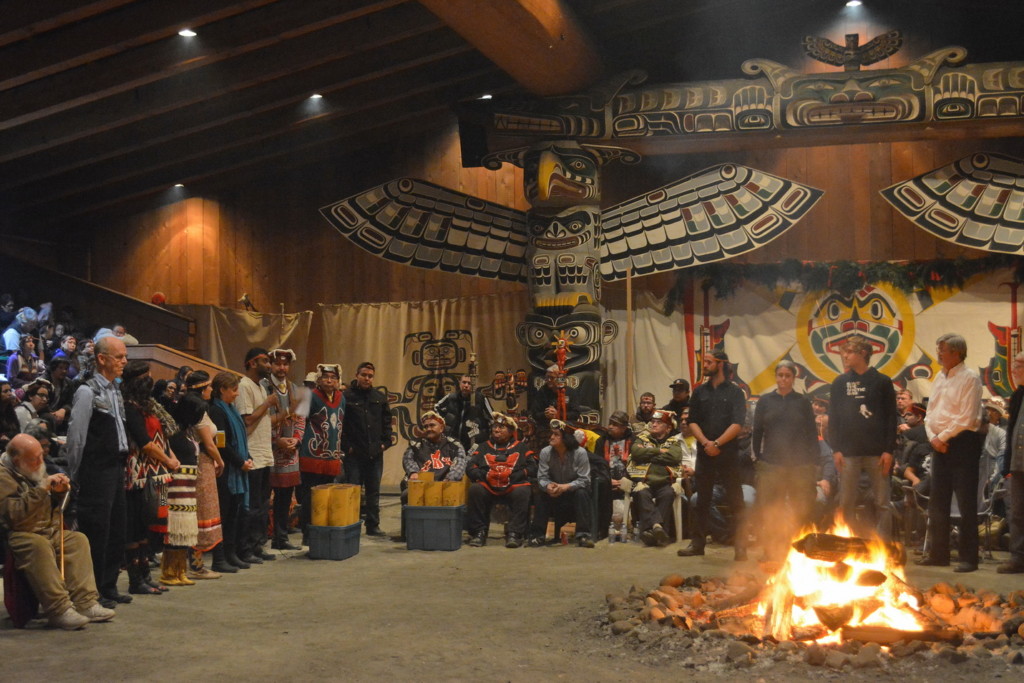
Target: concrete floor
472, 614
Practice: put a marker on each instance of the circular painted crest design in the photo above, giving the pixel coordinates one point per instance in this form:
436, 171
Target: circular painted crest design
877, 312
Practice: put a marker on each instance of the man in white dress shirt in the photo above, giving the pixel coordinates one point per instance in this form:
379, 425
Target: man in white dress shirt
954, 415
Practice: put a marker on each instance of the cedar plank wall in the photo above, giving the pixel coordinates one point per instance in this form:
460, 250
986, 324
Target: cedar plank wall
268, 239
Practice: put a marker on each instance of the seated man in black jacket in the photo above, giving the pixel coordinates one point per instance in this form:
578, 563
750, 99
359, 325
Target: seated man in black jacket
500, 470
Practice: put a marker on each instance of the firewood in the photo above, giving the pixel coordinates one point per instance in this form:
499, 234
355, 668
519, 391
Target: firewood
884, 635
834, 616
746, 595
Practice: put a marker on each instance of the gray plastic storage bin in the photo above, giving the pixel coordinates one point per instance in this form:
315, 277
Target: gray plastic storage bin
334, 542
433, 528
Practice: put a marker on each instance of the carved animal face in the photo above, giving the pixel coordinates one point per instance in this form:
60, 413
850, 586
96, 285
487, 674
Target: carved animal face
568, 230
877, 313
844, 98
583, 328
559, 175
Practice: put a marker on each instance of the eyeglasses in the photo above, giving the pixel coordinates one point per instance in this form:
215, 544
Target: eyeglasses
46, 396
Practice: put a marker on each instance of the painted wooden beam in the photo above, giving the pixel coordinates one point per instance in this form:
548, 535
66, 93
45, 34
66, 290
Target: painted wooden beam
537, 42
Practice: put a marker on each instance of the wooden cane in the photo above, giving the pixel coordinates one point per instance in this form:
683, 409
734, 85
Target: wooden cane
64, 503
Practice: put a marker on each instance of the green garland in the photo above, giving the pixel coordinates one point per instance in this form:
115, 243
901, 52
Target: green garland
844, 277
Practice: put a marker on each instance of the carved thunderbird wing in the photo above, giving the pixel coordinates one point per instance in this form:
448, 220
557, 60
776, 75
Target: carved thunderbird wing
420, 224
880, 47
824, 50
977, 201
710, 216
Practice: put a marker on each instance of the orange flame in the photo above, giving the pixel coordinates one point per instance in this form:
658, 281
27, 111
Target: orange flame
803, 583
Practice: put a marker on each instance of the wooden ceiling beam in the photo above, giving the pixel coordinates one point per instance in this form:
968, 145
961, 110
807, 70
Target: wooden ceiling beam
227, 39
370, 89
139, 24
88, 157
282, 60
23, 20
391, 112
537, 42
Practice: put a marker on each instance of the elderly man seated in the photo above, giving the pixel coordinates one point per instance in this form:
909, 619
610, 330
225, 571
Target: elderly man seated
31, 521
655, 460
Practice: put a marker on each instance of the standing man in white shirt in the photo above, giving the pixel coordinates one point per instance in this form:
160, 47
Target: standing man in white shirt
954, 415
254, 405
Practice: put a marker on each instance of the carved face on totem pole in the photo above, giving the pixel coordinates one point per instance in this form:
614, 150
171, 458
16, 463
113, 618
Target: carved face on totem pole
562, 184
586, 333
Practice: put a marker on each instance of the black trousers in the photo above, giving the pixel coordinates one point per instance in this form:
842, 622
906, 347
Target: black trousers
654, 506
232, 514
258, 516
366, 472
480, 501
725, 468
282, 506
309, 480
101, 517
955, 471
571, 505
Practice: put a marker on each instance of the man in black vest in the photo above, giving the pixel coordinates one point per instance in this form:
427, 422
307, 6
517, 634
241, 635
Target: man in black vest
96, 452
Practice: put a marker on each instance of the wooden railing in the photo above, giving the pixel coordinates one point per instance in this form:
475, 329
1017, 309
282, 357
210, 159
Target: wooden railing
165, 361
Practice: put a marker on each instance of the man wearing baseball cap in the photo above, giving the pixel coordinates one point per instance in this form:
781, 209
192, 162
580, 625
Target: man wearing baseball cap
654, 461
680, 399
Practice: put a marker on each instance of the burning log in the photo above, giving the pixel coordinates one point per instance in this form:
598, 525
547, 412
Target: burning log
832, 548
885, 635
835, 548
834, 616
871, 577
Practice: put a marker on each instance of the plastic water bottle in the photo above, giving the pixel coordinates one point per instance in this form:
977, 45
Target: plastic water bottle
612, 533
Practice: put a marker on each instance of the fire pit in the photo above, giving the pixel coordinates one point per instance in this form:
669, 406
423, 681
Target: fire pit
836, 600
836, 586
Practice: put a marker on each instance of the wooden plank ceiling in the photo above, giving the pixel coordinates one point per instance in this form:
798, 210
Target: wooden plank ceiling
103, 106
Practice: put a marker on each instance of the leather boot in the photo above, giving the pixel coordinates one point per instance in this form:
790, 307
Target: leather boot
147, 571
220, 563
196, 569
232, 557
138, 567
168, 568
181, 565
173, 568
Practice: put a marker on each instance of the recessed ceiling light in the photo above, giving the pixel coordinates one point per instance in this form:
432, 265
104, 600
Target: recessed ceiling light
486, 97
178, 185
854, 3
187, 33
316, 96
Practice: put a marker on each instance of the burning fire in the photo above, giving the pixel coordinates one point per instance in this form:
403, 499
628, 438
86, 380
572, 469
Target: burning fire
835, 580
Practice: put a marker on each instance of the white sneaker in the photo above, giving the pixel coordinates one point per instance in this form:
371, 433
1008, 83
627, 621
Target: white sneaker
97, 613
69, 620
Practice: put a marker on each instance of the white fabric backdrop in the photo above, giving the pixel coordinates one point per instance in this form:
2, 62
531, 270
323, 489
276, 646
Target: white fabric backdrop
417, 347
